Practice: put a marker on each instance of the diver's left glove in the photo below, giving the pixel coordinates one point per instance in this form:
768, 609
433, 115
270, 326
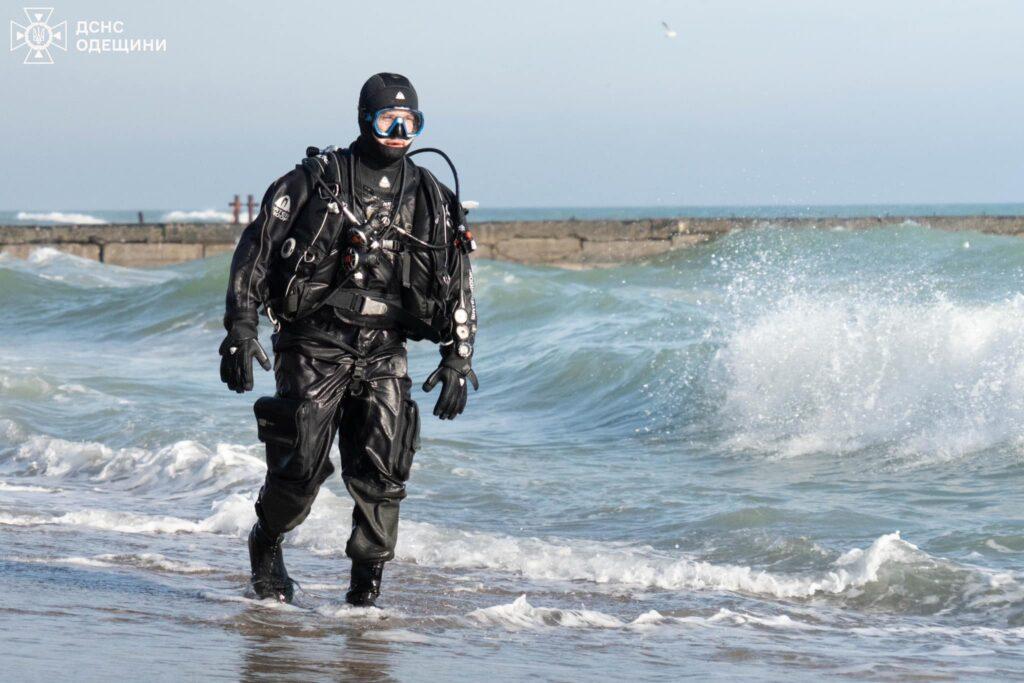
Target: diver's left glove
452, 373
236, 354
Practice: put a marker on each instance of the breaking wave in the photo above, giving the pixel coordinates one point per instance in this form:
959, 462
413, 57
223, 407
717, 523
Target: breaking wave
889, 573
60, 217
841, 374
200, 216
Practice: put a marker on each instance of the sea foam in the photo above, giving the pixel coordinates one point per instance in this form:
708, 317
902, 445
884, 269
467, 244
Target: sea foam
839, 374
60, 217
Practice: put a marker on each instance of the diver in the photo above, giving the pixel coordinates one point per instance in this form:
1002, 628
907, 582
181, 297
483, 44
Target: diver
354, 252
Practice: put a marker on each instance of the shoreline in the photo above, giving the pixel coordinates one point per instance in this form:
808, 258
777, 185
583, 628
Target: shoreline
563, 243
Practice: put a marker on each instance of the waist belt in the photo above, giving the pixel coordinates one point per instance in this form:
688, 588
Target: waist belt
357, 302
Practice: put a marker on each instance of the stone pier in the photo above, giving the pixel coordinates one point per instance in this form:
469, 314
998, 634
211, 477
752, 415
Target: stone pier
571, 243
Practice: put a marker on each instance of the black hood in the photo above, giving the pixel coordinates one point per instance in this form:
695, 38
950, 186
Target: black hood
381, 91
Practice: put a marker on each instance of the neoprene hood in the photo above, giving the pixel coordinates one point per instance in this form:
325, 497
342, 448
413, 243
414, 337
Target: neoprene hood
382, 91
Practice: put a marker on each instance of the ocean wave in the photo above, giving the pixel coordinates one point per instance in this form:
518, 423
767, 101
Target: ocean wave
182, 468
200, 216
547, 560
55, 266
192, 469
889, 574
886, 574
107, 520
27, 488
521, 614
398, 635
840, 374
145, 561
638, 568
60, 217
27, 383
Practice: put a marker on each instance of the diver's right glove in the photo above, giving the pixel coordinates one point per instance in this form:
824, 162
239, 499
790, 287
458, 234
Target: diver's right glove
236, 354
452, 373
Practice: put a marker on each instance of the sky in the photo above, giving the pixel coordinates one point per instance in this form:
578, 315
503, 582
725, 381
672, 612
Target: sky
791, 102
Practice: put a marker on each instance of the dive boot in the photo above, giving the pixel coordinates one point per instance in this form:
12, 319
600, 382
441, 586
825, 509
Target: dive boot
364, 589
269, 577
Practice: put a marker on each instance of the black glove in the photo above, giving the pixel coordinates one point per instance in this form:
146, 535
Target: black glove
452, 373
237, 351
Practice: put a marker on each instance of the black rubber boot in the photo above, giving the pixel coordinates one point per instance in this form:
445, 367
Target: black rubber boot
364, 589
269, 577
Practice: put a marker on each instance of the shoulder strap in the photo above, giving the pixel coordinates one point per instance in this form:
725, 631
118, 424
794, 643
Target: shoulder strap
328, 162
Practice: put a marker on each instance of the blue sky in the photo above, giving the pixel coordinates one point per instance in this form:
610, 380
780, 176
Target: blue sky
539, 103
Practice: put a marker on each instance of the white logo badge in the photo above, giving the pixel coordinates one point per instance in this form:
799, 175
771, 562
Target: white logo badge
38, 36
282, 208
400, 95
384, 182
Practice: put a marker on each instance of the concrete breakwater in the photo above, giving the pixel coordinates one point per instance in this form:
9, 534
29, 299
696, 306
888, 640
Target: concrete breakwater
571, 243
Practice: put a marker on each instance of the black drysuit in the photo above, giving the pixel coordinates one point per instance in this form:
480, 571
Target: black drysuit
340, 371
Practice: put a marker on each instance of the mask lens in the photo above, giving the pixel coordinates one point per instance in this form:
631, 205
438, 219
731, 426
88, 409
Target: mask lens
391, 122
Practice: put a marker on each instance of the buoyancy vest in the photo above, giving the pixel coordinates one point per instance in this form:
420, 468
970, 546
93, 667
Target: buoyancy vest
309, 270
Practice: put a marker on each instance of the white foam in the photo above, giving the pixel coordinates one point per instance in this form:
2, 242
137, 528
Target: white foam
182, 466
836, 374
398, 635
60, 217
556, 560
623, 569
10, 430
777, 621
228, 515
520, 614
126, 522
639, 568
152, 561
577, 560
52, 264
334, 610
27, 488
157, 562
267, 603
617, 565
997, 546
44, 255
189, 466
201, 216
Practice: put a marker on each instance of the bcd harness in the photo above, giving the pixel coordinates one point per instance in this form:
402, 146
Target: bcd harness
363, 244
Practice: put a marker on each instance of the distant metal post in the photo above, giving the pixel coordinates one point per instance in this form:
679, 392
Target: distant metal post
141, 220
236, 208
251, 205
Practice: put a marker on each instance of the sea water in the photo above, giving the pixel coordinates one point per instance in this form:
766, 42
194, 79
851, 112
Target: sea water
778, 455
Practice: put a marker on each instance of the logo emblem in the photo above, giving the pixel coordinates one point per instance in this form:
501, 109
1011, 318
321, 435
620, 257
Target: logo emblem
39, 36
400, 95
384, 182
282, 208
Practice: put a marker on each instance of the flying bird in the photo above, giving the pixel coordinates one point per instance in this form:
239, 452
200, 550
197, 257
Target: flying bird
669, 33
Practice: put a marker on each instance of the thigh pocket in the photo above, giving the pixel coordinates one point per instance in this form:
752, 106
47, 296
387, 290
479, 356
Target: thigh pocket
285, 425
410, 439
279, 420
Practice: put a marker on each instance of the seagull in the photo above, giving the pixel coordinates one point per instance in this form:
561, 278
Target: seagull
669, 33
